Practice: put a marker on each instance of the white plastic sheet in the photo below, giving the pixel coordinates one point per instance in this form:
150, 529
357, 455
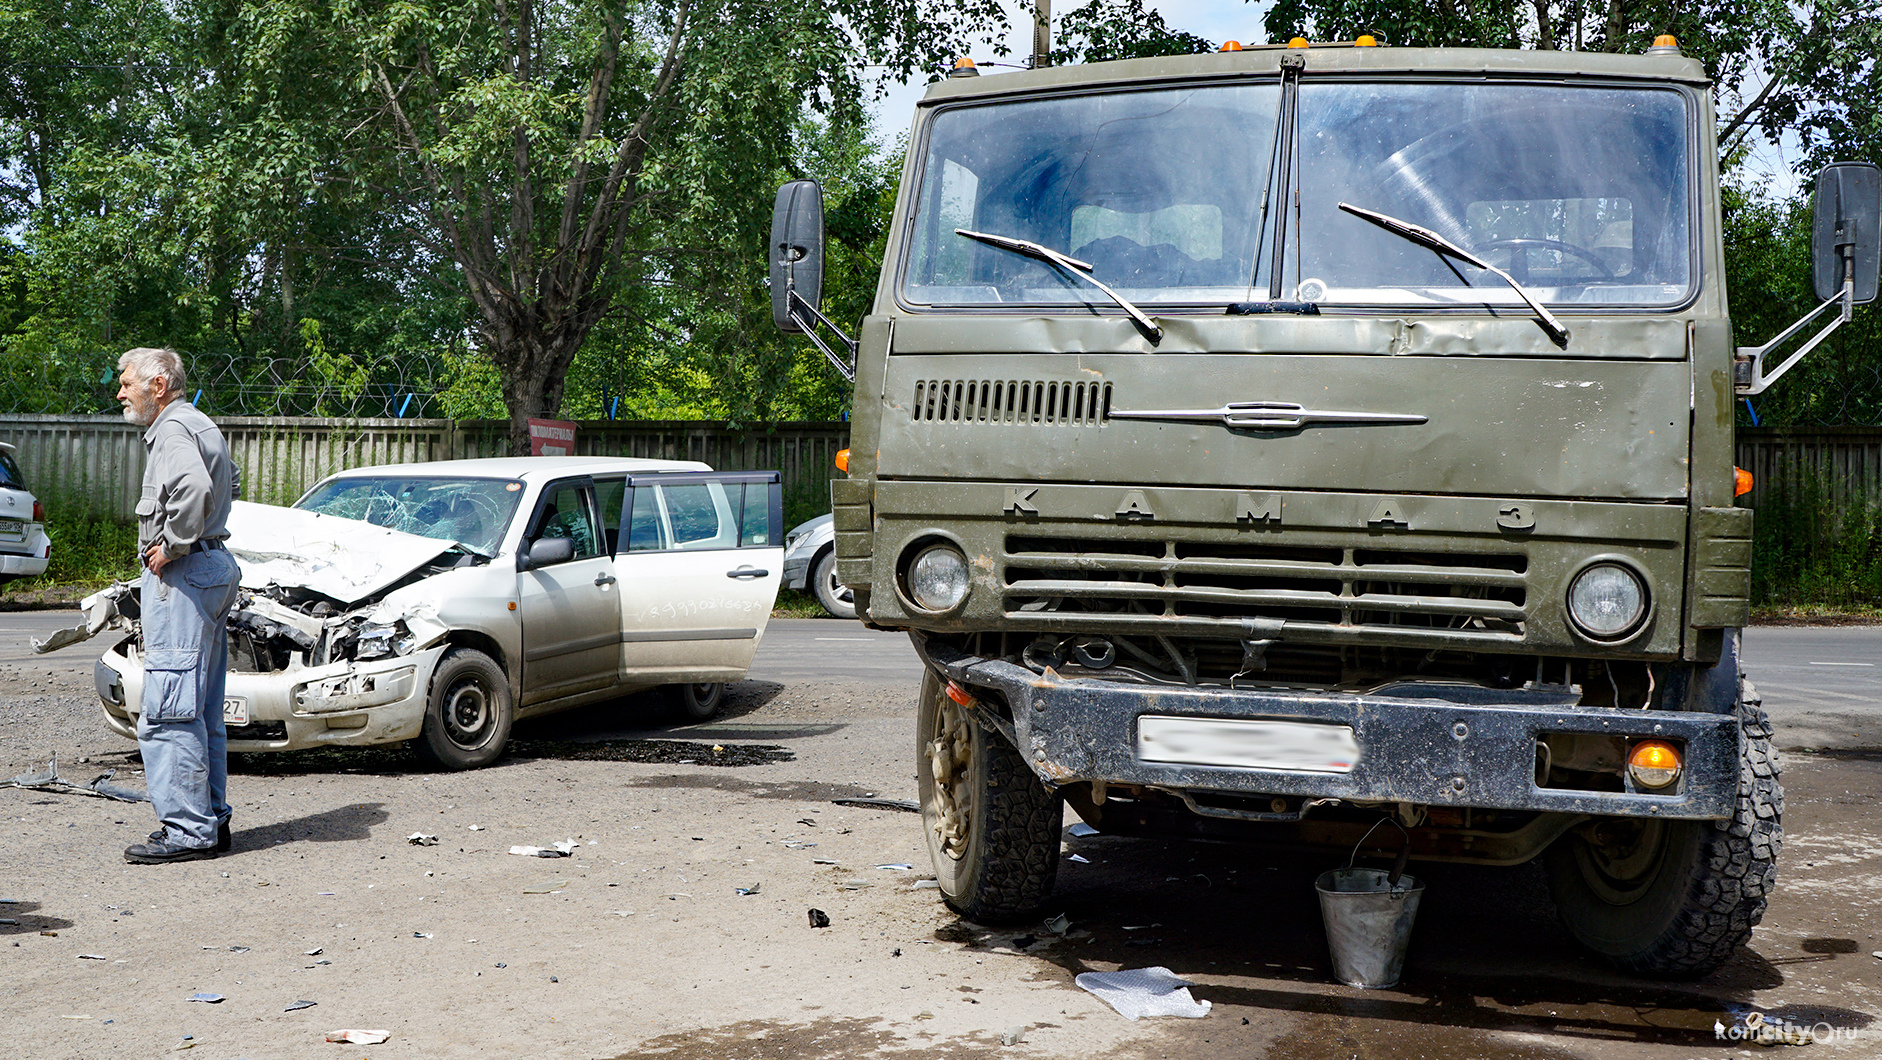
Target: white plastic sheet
1139, 992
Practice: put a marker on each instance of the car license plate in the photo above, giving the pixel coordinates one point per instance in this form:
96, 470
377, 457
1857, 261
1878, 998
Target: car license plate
1288, 746
12, 528
234, 710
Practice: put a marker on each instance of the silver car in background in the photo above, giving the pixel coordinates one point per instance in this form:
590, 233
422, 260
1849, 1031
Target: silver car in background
24, 547
810, 560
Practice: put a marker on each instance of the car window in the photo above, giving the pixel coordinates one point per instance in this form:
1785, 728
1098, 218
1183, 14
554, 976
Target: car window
609, 493
472, 512
10, 472
755, 518
700, 516
647, 531
565, 511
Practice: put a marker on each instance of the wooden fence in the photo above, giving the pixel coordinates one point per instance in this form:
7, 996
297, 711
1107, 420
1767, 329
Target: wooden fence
98, 461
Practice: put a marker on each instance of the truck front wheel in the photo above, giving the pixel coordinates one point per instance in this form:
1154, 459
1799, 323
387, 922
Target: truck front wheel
1675, 899
992, 825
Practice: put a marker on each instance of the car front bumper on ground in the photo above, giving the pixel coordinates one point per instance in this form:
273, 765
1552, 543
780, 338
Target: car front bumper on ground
1425, 744
341, 704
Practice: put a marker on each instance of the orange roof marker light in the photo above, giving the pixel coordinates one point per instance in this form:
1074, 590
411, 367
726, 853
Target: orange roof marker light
1231, 46
1653, 763
1365, 40
1741, 482
964, 67
1297, 42
842, 461
1664, 44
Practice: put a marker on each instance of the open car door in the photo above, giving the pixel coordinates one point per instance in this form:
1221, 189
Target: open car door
700, 558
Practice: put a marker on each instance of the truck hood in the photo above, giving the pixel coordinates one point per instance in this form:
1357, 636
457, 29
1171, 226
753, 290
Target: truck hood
345, 560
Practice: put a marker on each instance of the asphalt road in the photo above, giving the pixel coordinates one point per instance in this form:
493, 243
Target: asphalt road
656, 940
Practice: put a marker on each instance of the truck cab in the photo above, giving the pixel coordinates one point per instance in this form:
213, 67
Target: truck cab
1265, 443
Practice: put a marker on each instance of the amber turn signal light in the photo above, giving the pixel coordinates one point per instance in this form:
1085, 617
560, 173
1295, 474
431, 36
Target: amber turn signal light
1231, 45
1653, 763
960, 695
1741, 482
842, 461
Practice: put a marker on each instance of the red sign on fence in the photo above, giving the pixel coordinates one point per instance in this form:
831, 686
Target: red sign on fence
551, 437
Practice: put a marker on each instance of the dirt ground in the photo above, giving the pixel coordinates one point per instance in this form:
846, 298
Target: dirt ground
641, 944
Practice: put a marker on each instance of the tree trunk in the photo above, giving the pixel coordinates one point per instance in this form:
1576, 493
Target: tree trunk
534, 362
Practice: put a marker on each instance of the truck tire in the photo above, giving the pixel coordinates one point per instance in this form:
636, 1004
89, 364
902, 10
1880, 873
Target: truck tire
468, 713
835, 597
992, 825
1675, 899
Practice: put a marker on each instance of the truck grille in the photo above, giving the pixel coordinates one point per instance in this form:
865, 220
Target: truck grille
1214, 587
1035, 401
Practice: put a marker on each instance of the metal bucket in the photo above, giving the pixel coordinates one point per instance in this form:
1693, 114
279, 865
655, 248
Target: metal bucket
1369, 923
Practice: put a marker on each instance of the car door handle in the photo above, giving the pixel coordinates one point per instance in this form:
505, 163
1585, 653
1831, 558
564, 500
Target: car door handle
604, 578
747, 572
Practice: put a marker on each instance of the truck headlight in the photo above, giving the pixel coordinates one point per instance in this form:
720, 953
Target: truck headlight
937, 578
1607, 601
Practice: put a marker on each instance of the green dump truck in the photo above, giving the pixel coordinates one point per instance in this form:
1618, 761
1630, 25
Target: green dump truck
1263, 443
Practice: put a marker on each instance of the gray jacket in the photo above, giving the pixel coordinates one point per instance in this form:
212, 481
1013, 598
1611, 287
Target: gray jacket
189, 481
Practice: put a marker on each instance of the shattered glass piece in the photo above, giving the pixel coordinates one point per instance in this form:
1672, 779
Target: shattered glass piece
1139, 992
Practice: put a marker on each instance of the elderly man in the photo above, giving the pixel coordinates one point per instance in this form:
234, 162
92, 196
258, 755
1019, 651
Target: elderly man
189, 584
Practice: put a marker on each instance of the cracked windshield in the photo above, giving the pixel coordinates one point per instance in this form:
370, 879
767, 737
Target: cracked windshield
471, 512
1582, 194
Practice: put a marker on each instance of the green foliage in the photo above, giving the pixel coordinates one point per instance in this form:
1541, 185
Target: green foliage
1811, 547
1103, 30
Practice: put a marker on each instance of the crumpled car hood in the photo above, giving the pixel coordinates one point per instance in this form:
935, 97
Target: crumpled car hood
344, 559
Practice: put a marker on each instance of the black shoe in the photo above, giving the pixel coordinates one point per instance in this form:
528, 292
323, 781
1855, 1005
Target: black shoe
223, 840
160, 852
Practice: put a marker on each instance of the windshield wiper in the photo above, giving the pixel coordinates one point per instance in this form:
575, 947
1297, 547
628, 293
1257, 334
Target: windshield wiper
1070, 265
1425, 237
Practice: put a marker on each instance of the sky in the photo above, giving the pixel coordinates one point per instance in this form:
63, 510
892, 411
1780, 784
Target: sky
1239, 20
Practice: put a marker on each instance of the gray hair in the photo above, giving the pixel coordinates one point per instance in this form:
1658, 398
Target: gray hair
148, 363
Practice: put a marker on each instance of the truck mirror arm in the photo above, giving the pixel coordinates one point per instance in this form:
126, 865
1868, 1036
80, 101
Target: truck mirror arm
1749, 378
799, 309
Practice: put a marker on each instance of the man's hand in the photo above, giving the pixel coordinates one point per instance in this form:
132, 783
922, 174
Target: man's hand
156, 558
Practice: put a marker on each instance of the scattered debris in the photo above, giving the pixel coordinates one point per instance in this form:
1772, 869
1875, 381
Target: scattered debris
824, 861
421, 934
420, 839
909, 805
622, 912
1014, 1035
48, 779
476, 828
1059, 925
207, 999
8, 920
90, 957
1081, 829
548, 887
1139, 992
798, 844
753, 889
563, 849
819, 918
296, 1006
1080, 858
898, 866
926, 885
315, 952
855, 885
238, 949
358, 1037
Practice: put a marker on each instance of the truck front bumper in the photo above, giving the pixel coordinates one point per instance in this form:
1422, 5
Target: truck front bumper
1429, 744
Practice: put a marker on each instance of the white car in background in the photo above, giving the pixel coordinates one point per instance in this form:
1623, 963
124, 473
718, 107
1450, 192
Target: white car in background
440, 602
810, 559
24, 547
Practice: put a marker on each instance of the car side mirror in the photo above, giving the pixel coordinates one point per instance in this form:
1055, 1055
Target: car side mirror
796, 251
545, 552
1844, 241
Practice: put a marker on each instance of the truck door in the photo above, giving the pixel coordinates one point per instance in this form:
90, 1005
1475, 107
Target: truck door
701, 555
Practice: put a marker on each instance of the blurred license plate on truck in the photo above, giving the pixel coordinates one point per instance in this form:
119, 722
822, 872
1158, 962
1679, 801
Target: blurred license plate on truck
1294, 746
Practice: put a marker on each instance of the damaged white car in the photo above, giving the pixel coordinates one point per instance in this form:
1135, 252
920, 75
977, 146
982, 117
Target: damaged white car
440, 602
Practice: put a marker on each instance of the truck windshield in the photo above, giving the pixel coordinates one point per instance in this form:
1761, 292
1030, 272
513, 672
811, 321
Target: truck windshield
1581, 193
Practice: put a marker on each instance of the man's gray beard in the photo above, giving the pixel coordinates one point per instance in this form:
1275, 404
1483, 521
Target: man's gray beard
135, 415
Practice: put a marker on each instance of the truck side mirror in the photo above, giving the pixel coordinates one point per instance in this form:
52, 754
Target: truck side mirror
1845, 235
796, 251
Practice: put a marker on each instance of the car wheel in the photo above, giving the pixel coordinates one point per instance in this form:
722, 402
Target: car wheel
1675, 899
699, 702
835, 597
992, 825
468, 714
